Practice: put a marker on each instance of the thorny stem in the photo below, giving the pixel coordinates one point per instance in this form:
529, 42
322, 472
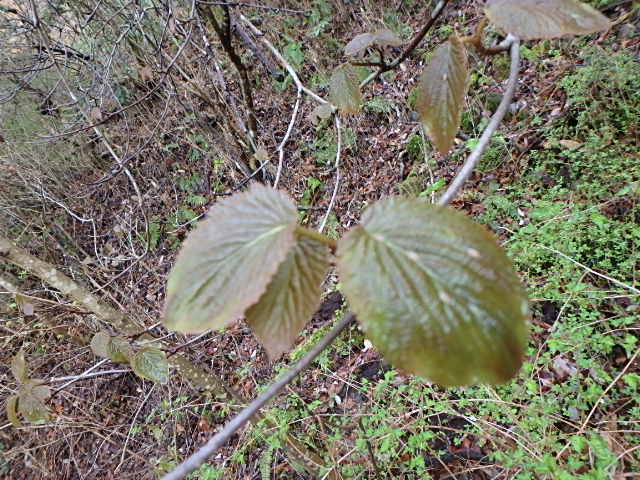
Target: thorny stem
201, 456
317, 236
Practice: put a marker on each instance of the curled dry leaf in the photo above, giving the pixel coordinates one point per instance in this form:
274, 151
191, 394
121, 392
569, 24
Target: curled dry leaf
441, 91
435, 293
544, 19
12, 411
228, 261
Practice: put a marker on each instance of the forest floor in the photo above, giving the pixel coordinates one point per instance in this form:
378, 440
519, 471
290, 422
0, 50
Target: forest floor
559, 186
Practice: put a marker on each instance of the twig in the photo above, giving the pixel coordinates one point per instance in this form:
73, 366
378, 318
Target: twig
194, 461
335, 187
465, 172
370, 450
299, 86
598, 402
253, 5
250, 44
409, 48
82, 376
245, 84
285, 139
133, 422
283, 61
583, 266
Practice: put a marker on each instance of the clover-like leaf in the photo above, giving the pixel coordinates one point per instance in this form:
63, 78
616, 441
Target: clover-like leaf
100, 344
382, 38
435, 293
19, 367
119, 350
12, 411
31, 402
228, 261
291, 297
344, 90
151, 363
441, 90
543, 19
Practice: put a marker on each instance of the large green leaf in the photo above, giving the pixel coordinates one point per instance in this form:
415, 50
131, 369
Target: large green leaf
151, 363
381, 38
435, 293
291, 298
540, 19
19, 367
441, 91
31, 400
344, 90
229, 259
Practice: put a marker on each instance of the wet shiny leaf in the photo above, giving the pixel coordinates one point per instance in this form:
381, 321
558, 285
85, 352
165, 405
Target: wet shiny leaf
435, 293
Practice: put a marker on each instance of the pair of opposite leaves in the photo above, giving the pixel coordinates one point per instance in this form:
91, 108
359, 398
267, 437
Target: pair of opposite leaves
431, 288
442, 86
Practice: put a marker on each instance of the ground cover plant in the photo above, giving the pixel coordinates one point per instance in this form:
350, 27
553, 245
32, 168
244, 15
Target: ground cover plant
567, 223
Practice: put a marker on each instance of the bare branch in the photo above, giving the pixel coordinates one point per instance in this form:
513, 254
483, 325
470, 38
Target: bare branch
409, 48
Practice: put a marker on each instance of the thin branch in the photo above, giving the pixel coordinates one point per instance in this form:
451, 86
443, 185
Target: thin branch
472, 160
285, 139
583, 266
82, 376
409, 48
194, 461
335, 186
245, 84
253, 5
283, 61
